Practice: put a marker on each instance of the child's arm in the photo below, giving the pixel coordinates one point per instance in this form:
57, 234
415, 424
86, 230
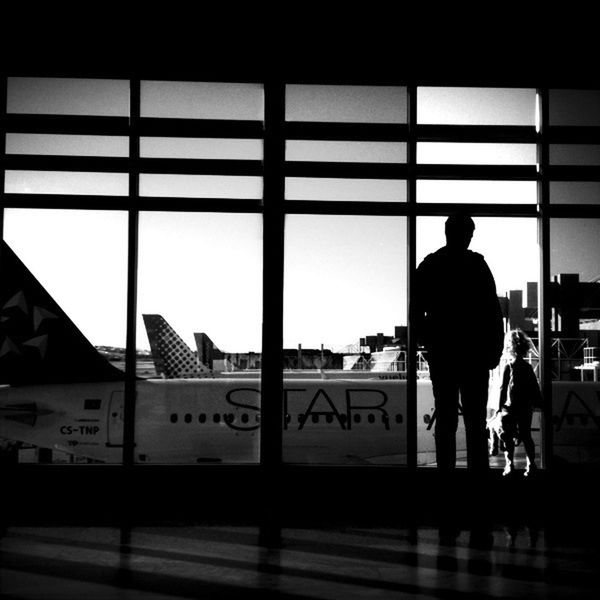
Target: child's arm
537, 400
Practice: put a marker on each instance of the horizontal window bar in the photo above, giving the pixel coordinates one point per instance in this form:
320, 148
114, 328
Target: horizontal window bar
57, 201
478, 209
221, 205
79, 125
200, 128
53, 201
400, 171
476, 133
91, 125
573, 173
328, 207
346, 170
574, 135
371, 132
107, 164
124, 165
573, 210
403, 209
177, 166
492, 172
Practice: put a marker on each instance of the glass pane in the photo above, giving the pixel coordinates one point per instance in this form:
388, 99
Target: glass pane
346, 103
475, 106
66, 182
365, 190
362, 152
201, 186
575, 192
484, 192
510, 249
66, 145
476, 154
62, 335
199, 334
205, 148
575, 302
64, 96
574, 154
202, 100
345, 388
575, 108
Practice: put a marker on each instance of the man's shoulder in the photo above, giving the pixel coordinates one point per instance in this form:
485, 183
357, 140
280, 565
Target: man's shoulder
475, 256
442, 255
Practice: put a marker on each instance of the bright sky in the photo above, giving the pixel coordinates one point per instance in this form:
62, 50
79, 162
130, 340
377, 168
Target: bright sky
345, 276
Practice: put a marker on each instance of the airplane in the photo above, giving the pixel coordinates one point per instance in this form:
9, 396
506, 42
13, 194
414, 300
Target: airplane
58, 392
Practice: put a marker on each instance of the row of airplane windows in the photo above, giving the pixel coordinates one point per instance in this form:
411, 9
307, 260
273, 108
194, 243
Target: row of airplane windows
301, 418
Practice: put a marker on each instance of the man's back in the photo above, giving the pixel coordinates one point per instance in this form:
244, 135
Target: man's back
460, 312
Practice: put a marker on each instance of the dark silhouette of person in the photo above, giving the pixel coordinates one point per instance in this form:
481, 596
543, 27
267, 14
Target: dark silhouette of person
459, 322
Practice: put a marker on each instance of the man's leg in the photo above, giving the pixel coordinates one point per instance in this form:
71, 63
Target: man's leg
474, 396
445, 394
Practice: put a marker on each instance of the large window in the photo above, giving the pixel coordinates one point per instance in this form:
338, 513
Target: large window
149, 218
345, 340
63, 335
199, 327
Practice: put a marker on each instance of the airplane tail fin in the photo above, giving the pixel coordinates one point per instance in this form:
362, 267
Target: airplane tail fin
173, 358
207, 351
38, 342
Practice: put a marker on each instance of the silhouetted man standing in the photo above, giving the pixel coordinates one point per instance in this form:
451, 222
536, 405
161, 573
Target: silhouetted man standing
460, 324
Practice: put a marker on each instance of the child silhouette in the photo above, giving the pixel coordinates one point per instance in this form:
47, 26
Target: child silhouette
519, 396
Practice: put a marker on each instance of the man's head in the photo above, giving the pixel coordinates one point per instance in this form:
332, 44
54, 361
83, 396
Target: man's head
459, 231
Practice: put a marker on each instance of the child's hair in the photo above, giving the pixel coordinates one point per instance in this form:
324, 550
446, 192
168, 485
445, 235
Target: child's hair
517, 342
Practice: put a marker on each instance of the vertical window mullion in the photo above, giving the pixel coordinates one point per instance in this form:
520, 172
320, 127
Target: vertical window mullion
411, 383
132, 261
544, 323
273, 263
3, 93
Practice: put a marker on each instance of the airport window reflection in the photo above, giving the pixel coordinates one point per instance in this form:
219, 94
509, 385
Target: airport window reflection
345, 340
510, 248
575, 366
62, 332
199, 338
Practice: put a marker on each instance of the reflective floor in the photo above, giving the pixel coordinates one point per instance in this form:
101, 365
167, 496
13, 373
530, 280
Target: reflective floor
337, 562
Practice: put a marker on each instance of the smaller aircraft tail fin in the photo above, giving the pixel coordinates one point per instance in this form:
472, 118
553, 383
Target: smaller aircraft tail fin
207, 351
173, 358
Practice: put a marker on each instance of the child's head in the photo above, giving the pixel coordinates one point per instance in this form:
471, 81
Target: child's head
517, 343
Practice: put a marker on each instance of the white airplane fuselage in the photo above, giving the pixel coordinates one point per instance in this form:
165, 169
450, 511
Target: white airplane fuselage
216, 420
